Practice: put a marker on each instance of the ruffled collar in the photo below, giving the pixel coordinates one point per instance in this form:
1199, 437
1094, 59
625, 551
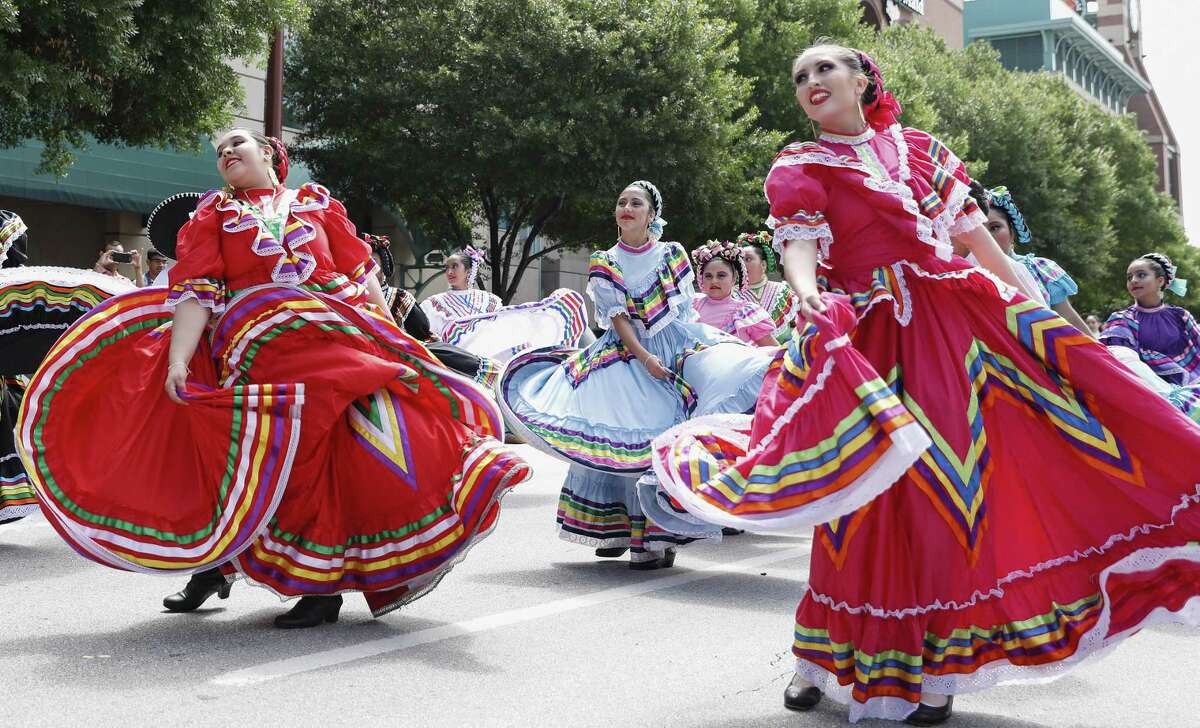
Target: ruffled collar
1154, 309
834, 138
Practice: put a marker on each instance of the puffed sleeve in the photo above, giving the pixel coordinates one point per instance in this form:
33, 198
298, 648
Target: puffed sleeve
753, 323
606, 287
1058, 283
1121, 329
797, 195
351, 254
967, 215
199, 273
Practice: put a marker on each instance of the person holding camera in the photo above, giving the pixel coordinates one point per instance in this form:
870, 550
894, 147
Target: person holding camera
113, 255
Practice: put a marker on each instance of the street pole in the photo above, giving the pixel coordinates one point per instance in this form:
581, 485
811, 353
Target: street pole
273, 103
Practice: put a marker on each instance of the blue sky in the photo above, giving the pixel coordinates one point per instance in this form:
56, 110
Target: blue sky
1169, 35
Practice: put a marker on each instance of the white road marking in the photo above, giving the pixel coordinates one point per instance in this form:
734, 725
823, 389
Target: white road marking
328, 658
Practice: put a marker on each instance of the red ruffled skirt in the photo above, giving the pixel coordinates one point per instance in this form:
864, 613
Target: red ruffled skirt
321, 450
995, 497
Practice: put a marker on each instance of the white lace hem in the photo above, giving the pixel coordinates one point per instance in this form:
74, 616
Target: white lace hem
1094, 644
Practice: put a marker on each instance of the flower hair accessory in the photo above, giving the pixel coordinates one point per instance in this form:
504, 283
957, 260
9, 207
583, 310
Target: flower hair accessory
882, 110
1000, 197
1173, 282
761, 241
657, 223
281, 159
477, 259
724, 250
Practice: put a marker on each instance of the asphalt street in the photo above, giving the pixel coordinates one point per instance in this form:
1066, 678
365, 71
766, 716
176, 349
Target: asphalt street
529, 630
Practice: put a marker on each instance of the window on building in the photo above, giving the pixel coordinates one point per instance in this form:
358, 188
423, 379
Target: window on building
1173, 177
1023, 52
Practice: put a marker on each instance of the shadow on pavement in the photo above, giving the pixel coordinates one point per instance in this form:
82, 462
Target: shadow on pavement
171, 649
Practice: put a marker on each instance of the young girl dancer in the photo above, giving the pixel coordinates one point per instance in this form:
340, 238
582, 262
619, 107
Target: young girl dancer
777, 298
933, 416
722, 273
1161, 342
598, 408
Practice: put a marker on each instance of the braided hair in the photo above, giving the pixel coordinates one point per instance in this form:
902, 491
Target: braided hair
1163, 267
657, 223
381, 245
999, 198
762, 242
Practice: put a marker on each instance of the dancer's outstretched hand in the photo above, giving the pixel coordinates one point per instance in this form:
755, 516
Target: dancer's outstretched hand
177, 374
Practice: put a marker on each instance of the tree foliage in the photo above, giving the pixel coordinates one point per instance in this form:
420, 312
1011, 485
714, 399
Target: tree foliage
136, 72
1084, 178
529, 117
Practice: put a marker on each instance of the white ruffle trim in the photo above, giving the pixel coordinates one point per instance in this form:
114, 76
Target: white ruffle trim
998, 591
216, 307
821, 233
908, 442
59, 276
1093, 645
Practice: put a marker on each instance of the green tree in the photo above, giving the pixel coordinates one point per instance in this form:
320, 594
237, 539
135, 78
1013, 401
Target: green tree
137, 72
769, 34
527, 117
1084, 178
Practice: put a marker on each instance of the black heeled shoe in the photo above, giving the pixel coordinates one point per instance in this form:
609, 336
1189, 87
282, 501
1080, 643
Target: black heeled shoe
310, 612
801, 699
728, 531
928, 715
199, 588
666, 561
611, 553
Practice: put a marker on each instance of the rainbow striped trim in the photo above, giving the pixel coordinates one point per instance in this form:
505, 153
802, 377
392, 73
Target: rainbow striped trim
263, 437
410, 558
207, 292
567, 305
654, 306
1039, 640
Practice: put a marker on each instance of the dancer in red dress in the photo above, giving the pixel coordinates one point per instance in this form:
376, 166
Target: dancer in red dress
995, 497
303, 441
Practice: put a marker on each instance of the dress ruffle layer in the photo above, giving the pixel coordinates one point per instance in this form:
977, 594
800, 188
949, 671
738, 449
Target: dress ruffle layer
1054, 514
321, 450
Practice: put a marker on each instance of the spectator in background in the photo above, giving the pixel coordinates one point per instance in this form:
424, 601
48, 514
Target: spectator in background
1093, 324
156, 263
113, 255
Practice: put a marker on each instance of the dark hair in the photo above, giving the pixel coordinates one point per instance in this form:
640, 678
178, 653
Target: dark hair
980, 195
737, 272
1162, 265
851, 58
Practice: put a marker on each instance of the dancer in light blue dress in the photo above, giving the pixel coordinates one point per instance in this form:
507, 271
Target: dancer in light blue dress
600, 407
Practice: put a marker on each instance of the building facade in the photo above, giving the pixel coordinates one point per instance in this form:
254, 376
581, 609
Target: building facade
1096, 45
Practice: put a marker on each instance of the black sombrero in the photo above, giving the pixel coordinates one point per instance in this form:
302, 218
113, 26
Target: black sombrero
167, 218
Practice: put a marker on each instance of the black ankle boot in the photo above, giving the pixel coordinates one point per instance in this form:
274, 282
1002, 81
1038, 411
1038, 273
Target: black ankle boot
611, 553
199, 588
310, 612
801, 699
927, 715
